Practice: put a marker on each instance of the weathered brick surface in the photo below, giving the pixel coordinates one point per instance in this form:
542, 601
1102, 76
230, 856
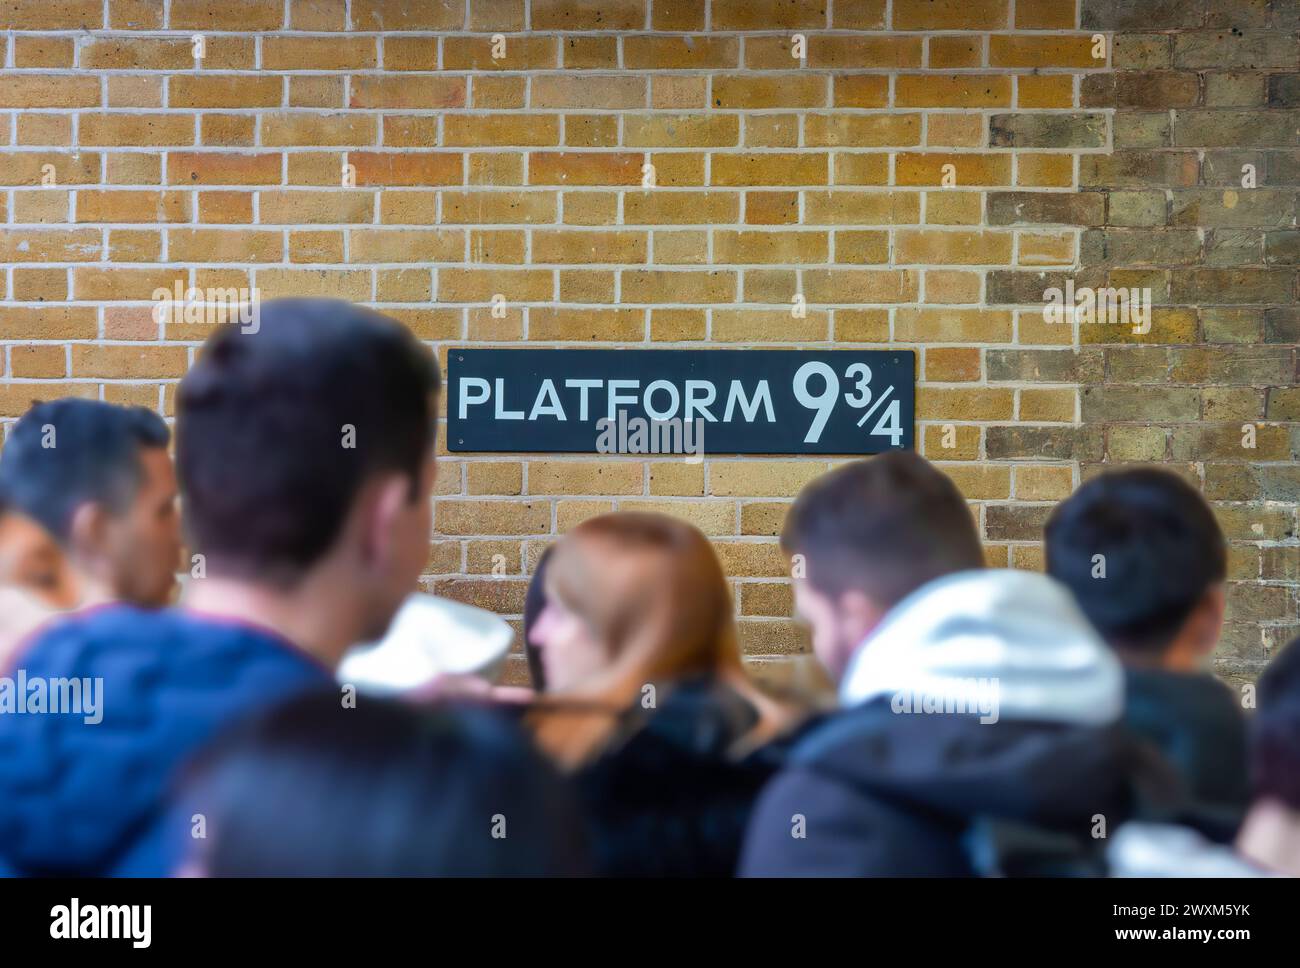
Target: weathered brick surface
922, 174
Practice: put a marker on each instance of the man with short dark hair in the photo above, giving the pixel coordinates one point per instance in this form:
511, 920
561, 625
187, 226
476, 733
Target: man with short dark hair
1268, 843
98, 479
305, 457
1146, 561
976, 731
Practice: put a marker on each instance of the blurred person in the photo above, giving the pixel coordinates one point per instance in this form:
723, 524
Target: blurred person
647, 704
35, 580
1268, 842
32, 561
97, 479
534, 602
385, 788
976, 733
1147, 563
305, 458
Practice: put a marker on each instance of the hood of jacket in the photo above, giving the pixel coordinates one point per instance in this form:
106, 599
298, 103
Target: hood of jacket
1000, 643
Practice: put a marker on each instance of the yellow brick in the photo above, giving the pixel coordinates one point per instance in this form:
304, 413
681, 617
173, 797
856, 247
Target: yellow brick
861, 248
955, 50
943, 403
1047, 404
547, 323
661, 285
352, 284
480, 285
952, 247
955, 130
951, 286
1045, 171
942, 325
858, 131
950, 14
949, 207
1037, 50
970, 168
952, 364
768, 326
755, 478
1045, 249
680, 208
772, 168
584, 247
676, 478
128, 362
479, 517
964, 441
585, 477
844, 207
494, 477
1045, 90
862, 325
981, 483
1043, 483
713, 517
50, 245
570, 514
753, 92
952, 90
777, 247
689, 247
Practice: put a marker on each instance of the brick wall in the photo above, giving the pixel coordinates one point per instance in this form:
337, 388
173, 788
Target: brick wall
129, 164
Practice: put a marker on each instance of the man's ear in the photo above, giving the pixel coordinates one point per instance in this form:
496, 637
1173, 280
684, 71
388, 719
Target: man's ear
1209, 618
392, 493
859, 612
87, 533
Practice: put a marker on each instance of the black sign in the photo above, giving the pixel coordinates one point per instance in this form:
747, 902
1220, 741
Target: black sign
680, 401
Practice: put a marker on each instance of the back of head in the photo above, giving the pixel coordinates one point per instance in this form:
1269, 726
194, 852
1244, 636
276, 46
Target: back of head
65, 453
1139, 549
384, 788
280, 428
883, 526
1275, 731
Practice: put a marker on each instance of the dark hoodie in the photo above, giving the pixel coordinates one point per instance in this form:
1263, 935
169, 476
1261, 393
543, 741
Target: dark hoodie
669, 796
1193, 720
81, 798
980, 735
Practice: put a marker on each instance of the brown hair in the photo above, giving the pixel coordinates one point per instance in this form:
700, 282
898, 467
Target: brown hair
884, 526
652, 591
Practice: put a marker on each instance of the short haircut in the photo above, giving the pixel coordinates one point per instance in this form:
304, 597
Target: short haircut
278, 430
64, 453
1275, 730
884, 526
1161, 550
385, 788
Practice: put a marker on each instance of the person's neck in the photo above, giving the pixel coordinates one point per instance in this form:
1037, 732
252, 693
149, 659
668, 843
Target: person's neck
1172, 659
1270, 837
92, 592
313, 619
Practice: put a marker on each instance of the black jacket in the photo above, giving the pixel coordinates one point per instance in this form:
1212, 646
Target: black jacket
872, 792
1193, 720
667, 797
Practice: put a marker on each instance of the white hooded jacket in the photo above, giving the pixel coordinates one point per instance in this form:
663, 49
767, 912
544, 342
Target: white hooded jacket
1014, 637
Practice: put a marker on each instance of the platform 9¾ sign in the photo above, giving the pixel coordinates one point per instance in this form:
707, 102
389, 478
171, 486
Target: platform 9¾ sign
716, 401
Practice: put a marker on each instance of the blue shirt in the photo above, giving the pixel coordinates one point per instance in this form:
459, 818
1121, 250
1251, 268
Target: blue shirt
85, 791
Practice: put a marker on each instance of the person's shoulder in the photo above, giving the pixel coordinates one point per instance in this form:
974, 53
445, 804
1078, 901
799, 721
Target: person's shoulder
158, 643
844, 731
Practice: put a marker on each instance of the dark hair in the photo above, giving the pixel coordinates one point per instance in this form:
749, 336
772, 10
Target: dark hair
534, 602
385, 787
884, 526
65, 453
1161, 550
279, 428
1275, 730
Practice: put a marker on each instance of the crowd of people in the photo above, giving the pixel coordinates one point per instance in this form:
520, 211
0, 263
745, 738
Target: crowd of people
986, 722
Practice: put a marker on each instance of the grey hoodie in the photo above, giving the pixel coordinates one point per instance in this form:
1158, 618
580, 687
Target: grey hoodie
1014, 637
